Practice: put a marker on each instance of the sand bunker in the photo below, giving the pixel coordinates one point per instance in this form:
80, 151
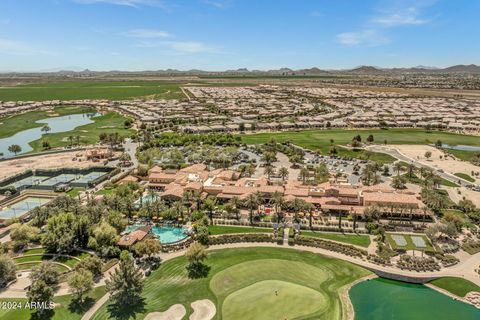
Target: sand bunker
175, 312
203, 310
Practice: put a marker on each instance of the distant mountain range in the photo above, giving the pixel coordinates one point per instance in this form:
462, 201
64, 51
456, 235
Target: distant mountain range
362, 70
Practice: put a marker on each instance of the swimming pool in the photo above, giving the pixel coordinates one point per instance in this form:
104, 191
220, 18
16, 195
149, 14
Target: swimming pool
166, 234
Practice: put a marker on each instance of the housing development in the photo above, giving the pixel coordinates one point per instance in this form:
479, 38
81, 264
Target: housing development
239, 160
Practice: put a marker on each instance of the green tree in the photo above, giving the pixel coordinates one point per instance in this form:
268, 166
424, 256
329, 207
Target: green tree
40, 293
93, 264
370, 138
7, 270
251, 202
60, 233
209, 205
104, 239
15, 148
147, 247
23, 234
46, 128
195, 255
80, 282
46, 272
283, 173
126, 283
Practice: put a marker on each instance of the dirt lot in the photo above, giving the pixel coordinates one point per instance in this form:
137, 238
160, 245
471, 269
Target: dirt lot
52, 161
450, 165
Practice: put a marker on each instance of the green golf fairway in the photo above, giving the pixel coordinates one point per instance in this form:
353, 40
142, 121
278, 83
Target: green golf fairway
272, 299
242, 284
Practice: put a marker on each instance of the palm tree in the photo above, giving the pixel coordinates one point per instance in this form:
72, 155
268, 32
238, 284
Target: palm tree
398, 167
70, 139
268, 171
411, 169
78, 140
283, 173
251, 202
235, 202
298, 205
304, 174
279, 202
209, 205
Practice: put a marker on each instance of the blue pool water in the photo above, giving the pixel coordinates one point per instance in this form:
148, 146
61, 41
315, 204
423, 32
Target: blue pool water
166, 234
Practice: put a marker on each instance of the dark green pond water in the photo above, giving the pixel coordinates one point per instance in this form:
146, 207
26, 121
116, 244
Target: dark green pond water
382, 299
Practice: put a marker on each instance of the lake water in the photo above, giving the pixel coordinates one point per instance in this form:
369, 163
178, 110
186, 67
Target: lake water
56, 124
461, 147
382, 299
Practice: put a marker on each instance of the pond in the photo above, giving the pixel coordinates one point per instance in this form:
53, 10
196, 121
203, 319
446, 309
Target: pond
461, 147
56, 124
382, 299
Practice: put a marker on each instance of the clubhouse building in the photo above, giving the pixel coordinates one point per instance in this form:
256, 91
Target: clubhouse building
330, 197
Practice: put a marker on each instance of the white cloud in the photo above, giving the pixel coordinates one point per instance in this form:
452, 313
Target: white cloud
146, 33
365, 37
128, 3
220, 4
190, 46
410, 16
20, 48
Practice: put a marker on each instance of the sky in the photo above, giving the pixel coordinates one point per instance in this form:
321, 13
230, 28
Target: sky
133, 35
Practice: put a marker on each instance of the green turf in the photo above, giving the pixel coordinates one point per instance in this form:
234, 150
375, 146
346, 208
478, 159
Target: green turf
465, 176
75, 192
113, 90
234, 269
259, 301
30, 265
320, 139
355, 239
32, 258
447, 183
110, 122
214, 230
65, 310
458, 286
462, 154
36, 250
13, 124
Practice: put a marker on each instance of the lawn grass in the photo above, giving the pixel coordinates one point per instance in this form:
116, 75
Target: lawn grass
233, 270
457, 286
320, 139
465, 176
30, 265
74, 192
462, 154
110, 122
447, 183
75, 90
10, 125
33, 251
410, 245
214, 230
355, 239
66, 309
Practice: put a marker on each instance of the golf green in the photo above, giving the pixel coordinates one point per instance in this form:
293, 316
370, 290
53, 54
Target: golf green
272, 299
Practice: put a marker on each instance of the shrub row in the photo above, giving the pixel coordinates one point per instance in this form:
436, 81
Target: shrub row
417, 263
346, 249
238, 238
447, 260
331, 229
